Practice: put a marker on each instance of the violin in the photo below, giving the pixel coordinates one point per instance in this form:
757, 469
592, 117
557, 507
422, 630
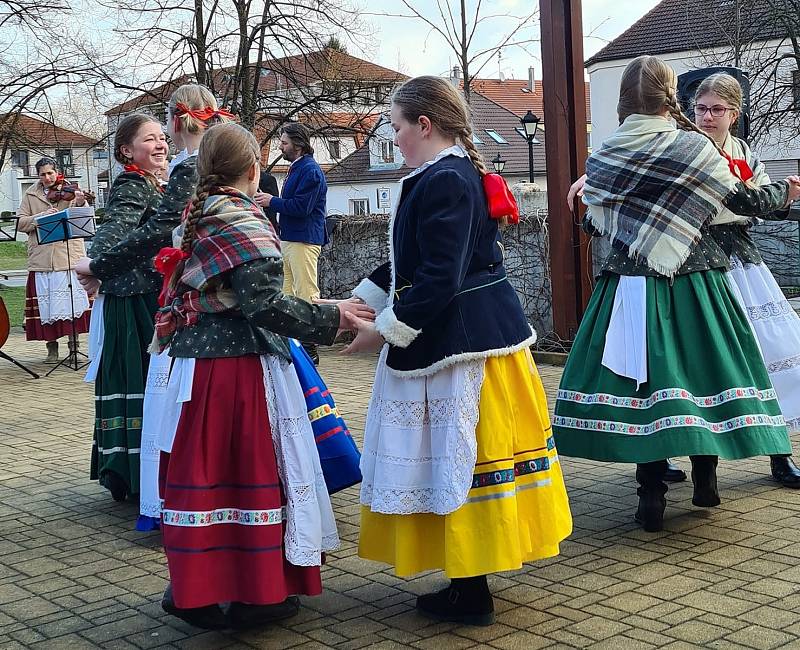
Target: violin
63, 190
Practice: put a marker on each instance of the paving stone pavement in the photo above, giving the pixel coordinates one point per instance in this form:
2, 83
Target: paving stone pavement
75, 574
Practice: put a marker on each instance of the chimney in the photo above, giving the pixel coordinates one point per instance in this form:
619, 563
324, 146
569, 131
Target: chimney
455, 76
531, 79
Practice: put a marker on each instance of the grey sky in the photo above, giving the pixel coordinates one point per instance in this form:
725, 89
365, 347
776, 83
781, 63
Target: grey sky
404, 46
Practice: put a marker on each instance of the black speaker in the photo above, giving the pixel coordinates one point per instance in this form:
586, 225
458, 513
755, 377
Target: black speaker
689, 81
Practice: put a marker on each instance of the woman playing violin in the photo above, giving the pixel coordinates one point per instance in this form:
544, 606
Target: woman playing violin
48, 312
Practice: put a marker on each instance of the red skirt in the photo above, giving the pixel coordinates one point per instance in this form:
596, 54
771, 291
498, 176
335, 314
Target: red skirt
35, 330
222, 513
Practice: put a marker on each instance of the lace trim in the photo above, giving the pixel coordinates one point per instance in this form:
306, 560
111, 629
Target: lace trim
769, 310
458, 416
784, 364
670, 422
793, 425
296, 494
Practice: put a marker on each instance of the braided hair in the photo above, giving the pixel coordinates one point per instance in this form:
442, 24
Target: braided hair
648, 86
438, 99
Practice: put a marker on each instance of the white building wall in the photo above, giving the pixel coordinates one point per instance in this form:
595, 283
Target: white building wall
604, 80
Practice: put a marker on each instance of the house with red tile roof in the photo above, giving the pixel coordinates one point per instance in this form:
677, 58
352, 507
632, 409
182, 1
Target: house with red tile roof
692, 35
80, 157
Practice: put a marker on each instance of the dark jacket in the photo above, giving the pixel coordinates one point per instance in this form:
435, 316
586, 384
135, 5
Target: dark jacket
131, 203
138, 248
452, 300
301, 205
269, 184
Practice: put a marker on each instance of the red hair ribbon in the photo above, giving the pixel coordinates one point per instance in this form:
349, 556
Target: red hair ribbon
202, 114
502, 204
739, 167
165, 263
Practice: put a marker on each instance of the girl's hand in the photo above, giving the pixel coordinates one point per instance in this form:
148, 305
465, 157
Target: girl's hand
359, 310
80, 198
333, 301
90, 284
794, 188
83, 268
368, 339
576, 189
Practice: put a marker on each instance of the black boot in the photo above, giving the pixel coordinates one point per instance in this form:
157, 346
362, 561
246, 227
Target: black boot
674, 474
114, 484
244, 616
467, 601
785, 471
311, 349
210, 617
651, 491
704, 477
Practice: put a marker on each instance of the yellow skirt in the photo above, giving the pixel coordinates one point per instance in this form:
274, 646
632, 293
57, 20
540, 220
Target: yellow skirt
517, 509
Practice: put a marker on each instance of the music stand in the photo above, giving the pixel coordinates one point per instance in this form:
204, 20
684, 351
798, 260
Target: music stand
72, 223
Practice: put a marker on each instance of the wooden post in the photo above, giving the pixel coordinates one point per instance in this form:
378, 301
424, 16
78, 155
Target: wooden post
565, 146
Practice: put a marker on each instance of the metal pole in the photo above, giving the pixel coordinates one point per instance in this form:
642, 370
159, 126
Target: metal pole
530, 160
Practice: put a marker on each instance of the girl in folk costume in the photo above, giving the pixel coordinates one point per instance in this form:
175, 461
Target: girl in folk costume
664, 362
49, 314
245, 514
191, 109
122, 321
460, 470
718, 103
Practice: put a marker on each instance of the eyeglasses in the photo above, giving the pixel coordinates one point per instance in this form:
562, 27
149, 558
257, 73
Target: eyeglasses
716, 111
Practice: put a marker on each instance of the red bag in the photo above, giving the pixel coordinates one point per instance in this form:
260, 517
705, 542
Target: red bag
502, 204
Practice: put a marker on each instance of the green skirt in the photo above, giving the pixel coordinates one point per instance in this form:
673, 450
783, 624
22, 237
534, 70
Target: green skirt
119, 388
707, 390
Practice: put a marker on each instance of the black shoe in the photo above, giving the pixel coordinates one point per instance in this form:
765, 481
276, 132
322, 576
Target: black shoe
210, 617
704, 477
674, 474
650, 513
113, 483
243, 615
785, 471
467, 601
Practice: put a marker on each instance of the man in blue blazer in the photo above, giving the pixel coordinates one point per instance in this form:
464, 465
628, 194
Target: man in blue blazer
301, 216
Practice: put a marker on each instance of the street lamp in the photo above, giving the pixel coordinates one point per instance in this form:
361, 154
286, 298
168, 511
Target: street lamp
499, 163
530, 124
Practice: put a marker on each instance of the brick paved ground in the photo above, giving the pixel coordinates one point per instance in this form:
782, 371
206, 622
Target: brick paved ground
74, 573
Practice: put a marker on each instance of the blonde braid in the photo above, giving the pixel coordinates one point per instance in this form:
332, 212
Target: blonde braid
472, 151
203, 191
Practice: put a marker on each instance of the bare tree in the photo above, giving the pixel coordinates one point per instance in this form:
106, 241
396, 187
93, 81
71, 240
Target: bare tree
763, 38
460, 26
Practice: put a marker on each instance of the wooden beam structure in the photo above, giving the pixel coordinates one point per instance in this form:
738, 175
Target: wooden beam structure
564, 91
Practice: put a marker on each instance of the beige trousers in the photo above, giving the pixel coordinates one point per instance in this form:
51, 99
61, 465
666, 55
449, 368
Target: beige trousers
300, 269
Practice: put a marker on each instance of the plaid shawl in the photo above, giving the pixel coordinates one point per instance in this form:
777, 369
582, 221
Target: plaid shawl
651, 187
232, 231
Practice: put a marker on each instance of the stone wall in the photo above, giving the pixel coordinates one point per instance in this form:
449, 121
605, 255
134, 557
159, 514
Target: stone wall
359, 245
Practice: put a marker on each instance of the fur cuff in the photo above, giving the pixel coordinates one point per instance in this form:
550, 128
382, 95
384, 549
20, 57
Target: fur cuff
371, 294
395, 332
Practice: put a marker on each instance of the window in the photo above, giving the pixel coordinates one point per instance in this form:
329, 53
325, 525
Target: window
387, 151
335, 149
476, 139
63, 158
494, 135
20, 158
359, 207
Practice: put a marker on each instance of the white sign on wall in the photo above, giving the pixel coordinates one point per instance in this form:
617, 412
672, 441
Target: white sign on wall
384, 198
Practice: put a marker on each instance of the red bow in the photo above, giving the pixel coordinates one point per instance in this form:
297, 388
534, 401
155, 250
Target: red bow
135, 169
739, 167
165, 263
502, 204
202, 114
